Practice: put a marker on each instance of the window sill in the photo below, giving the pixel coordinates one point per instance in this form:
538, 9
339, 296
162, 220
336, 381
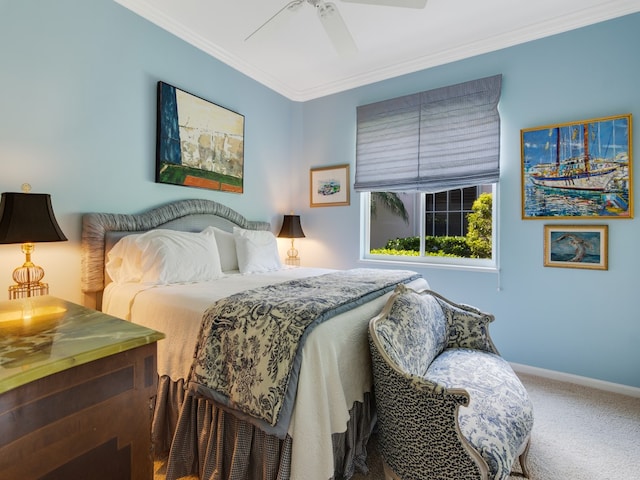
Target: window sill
428, 262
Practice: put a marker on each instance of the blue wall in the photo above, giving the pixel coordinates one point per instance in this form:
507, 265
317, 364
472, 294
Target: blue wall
77, 120
583, 322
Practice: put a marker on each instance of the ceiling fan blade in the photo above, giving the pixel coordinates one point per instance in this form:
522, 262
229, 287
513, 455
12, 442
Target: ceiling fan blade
392, 3
277, 20
336, 28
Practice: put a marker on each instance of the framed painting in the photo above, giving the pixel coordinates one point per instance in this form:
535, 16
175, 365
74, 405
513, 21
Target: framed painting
329, 186
578, 170
199, 144
574, 246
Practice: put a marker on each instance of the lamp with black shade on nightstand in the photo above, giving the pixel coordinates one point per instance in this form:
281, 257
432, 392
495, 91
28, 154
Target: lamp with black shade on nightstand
28, 218
292, 229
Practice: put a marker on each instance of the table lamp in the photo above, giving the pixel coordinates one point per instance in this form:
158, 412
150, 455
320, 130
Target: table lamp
291, 229
28, 218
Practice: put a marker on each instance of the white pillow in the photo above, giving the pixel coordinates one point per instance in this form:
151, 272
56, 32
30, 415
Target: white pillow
226, 248
123, 260
257, 251
170, 256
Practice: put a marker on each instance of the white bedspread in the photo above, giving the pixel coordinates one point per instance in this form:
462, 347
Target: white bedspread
335, 370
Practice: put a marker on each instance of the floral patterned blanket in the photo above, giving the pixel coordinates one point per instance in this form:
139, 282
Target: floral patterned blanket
247, 355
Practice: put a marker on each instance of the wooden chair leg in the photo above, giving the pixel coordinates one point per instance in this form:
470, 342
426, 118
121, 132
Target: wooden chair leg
388, 473
524, 460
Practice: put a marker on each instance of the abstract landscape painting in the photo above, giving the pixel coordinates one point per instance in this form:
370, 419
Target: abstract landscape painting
199, 144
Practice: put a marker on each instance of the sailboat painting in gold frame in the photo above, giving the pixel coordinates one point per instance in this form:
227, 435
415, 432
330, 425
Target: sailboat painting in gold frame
578, 170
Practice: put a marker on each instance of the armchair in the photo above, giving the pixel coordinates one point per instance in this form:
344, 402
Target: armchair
449, 406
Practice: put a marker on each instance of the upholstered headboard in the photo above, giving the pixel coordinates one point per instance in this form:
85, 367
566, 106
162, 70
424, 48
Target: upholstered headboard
100, 231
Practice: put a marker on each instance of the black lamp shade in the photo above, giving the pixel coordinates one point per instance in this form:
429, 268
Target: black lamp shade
291, 227
28, 218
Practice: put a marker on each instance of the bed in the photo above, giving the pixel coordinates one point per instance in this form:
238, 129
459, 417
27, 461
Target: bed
322, 423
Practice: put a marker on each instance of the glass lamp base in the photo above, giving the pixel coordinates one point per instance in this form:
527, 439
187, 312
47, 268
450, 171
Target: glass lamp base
293, 261
26, 290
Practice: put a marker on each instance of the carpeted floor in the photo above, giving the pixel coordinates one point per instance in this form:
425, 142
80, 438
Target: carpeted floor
582, 433
579, 433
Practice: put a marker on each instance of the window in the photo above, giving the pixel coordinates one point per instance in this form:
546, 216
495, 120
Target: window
434, 152
446, 212
436, 225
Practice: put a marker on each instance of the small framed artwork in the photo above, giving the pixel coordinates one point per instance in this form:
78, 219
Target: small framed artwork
329, 186
199, 144
579, 170
575, 246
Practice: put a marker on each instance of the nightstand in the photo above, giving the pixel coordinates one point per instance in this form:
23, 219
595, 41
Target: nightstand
77, 389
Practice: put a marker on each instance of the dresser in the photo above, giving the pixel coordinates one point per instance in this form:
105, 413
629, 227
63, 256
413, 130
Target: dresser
76, 392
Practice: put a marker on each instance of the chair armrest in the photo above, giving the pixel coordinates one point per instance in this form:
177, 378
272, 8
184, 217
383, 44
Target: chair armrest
468, 326
412, 407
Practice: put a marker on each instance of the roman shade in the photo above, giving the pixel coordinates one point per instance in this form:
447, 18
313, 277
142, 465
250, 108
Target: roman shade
430, 141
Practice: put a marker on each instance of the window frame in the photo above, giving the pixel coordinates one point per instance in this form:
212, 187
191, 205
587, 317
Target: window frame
459, 223
422, 260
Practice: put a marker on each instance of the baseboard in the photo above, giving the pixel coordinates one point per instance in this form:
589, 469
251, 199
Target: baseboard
577, 379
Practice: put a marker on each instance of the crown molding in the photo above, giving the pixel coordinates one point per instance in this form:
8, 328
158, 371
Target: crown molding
582, 18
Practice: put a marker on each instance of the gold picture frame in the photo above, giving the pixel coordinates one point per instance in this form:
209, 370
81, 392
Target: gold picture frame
578, 170
576, 246
329, 186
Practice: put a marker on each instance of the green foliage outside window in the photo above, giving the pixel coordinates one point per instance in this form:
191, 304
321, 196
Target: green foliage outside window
476, 244
438, 246
480, 225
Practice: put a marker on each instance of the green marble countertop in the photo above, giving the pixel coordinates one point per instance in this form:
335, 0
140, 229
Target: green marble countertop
59, 335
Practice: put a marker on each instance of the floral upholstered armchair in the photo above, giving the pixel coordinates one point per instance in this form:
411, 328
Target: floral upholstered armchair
449, 406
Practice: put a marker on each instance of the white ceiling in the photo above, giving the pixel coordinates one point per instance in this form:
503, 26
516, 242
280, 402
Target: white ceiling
294, 56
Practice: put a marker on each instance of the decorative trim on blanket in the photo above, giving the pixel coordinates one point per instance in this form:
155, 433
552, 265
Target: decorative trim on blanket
249, 348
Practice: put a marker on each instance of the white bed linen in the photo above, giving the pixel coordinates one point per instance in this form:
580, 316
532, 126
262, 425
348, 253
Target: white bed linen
334, 373
177, 309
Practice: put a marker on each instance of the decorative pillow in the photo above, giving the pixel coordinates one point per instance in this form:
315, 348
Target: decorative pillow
257, 251
415, 331
164, 256
123, 260
226, 248
170, 256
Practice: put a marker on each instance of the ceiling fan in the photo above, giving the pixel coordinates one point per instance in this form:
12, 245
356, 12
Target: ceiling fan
332, 21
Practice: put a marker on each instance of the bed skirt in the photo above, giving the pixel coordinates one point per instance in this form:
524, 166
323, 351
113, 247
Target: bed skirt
207, 441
